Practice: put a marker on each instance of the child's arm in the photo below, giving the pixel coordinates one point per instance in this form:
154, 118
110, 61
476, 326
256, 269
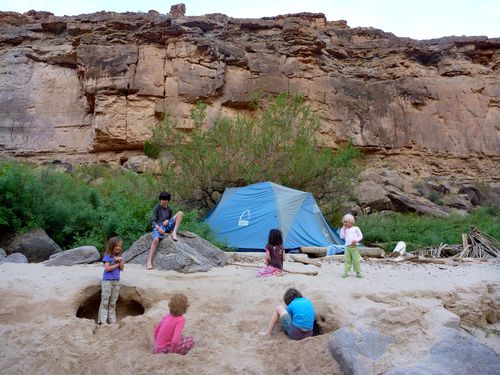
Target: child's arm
177, 333
359, 235
268, 257
121, 263
156, 221
110, 268
342, 233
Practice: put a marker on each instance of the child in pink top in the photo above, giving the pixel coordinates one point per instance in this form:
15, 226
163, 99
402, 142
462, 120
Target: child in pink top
168, 333
352, 236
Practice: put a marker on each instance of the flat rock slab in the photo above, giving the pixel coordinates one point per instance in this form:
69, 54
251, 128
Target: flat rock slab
78, 255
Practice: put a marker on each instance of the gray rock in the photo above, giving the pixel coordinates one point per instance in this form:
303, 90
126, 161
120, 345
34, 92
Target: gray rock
370, 194
476, 196
356, 350
407, 203
36, 245
456, 353
3, 253
460, 201
189, 254
78, 255
15, 258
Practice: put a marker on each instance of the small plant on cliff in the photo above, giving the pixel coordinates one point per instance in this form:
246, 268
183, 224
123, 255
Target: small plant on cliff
278, 143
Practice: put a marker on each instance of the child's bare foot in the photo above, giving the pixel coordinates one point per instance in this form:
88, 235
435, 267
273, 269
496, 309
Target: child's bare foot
262, 333
149, 266
174, 236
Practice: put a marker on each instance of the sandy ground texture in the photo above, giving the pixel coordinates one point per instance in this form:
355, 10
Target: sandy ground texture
47, 316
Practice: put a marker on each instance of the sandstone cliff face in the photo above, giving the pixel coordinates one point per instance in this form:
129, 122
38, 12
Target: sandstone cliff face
90, 87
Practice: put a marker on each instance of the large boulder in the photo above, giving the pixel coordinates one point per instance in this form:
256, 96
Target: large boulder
36, 245
189, 254
3, 253
455, 353
78, 255
356, 350
14, 258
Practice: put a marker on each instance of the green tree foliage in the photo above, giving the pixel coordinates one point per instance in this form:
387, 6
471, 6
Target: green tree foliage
277, 143
86, 207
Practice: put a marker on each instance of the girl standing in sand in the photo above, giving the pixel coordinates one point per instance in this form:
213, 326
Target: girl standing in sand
113, 264
168, 333
275, 255
352, 236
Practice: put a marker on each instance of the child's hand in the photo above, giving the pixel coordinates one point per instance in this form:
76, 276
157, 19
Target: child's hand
118, 259
165, 222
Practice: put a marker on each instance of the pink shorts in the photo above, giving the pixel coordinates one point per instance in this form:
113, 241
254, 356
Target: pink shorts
268, 271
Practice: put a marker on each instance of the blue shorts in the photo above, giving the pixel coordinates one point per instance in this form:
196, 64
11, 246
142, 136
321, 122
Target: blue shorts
295, 333
167, 228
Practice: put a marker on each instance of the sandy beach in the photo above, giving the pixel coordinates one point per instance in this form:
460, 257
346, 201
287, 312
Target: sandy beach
47, 316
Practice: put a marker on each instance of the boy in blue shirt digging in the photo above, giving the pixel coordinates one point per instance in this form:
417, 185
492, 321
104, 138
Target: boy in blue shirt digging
297, 316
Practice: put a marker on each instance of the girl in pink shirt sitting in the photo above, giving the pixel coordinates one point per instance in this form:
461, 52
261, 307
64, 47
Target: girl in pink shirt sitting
167, 333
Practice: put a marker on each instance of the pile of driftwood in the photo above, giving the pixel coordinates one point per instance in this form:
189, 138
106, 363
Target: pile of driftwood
474, 245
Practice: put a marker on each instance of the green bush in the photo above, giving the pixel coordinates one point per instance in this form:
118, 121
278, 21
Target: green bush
278, 143
151, 149
86, 207
420, 231
16, 200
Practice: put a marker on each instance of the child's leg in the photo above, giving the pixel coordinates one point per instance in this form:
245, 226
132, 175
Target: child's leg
347, 259
185, 344
104, 306
280, 311
115, 292
152, 249
178, 220
356, 260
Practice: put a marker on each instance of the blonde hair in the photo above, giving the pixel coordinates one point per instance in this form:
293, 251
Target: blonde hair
349, 218
178, 304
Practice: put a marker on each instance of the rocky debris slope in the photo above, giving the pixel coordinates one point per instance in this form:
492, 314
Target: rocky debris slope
91, 87
387, 190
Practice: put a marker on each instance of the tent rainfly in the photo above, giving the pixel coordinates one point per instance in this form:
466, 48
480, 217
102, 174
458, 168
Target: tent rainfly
243, 217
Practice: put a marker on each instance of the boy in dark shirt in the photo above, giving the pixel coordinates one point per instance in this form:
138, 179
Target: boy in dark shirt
163, 222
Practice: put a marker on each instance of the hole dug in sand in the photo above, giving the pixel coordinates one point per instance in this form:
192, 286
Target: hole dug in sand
326, 321
129, 303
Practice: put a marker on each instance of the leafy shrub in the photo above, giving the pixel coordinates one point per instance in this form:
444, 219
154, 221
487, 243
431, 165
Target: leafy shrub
16, 200
86, 207
151, 149
278, 143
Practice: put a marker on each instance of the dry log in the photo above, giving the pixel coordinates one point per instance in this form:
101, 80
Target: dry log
320, 251
372, 252
403, 258
305, 260
428, 260
313, 250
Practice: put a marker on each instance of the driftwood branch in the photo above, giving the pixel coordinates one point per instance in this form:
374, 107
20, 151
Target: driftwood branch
305, 260
320, 251
312, 273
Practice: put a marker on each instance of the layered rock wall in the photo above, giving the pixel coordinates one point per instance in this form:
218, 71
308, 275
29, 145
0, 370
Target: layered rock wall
90, 88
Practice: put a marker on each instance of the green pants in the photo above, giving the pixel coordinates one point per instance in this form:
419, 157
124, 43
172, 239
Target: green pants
352, 258
109, 294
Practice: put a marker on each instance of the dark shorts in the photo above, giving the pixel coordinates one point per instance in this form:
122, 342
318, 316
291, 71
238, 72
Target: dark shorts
295, 333
167, 228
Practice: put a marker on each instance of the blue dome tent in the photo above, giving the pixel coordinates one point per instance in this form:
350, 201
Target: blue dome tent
243, 217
